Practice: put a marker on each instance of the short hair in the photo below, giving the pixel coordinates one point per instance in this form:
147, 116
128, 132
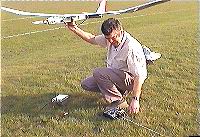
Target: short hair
109, 25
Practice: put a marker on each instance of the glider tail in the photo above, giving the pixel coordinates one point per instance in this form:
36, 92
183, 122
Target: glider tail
102, 7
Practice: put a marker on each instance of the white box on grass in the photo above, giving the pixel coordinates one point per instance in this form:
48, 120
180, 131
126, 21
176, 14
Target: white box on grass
60, 99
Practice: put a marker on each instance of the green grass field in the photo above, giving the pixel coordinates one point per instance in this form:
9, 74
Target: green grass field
36, 67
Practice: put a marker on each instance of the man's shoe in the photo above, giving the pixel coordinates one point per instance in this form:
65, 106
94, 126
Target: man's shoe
121, 104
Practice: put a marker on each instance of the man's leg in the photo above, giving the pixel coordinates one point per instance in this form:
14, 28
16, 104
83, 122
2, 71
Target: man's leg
111, 83
90, 84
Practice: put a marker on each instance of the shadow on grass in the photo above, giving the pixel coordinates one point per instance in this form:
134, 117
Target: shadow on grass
27, 110
40, 104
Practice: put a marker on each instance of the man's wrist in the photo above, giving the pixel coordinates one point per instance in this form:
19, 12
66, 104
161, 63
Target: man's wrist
74, 28
136, 98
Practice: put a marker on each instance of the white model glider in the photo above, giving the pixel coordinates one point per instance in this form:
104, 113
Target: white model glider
63, 18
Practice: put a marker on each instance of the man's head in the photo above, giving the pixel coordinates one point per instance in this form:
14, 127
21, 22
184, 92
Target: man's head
112, 30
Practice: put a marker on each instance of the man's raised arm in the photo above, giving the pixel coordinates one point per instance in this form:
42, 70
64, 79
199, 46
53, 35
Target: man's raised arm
88, 37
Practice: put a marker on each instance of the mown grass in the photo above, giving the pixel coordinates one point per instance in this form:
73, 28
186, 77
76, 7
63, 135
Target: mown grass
36, 67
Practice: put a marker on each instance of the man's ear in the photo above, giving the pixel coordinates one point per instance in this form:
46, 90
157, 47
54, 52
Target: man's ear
121, 28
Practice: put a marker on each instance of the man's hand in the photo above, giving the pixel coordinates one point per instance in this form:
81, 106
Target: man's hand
128, 79
71, 25
134, 106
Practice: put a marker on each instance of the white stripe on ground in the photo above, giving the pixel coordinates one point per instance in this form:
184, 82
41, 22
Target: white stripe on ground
39, 31
17, 19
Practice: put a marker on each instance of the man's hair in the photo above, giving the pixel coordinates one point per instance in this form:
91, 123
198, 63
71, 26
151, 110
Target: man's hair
109, 25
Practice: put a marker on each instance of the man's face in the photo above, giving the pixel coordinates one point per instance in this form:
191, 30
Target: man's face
115, 37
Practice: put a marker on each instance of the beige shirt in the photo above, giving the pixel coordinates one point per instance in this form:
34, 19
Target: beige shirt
128, 56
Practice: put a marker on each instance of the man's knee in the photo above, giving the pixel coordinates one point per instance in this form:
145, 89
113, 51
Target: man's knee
98, 72
89, 84
84, 85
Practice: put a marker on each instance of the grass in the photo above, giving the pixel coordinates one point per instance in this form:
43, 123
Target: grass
36, 67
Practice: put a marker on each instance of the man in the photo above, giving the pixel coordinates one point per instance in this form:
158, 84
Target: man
126, 65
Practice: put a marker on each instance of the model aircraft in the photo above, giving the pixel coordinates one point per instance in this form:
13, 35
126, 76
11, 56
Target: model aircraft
64, 18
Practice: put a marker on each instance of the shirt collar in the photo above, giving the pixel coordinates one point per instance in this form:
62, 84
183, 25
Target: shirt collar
122, 41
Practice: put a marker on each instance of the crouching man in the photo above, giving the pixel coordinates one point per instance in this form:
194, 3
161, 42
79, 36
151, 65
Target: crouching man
126, 65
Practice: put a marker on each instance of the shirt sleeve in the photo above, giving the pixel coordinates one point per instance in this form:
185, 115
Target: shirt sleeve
101, 41
137, 64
